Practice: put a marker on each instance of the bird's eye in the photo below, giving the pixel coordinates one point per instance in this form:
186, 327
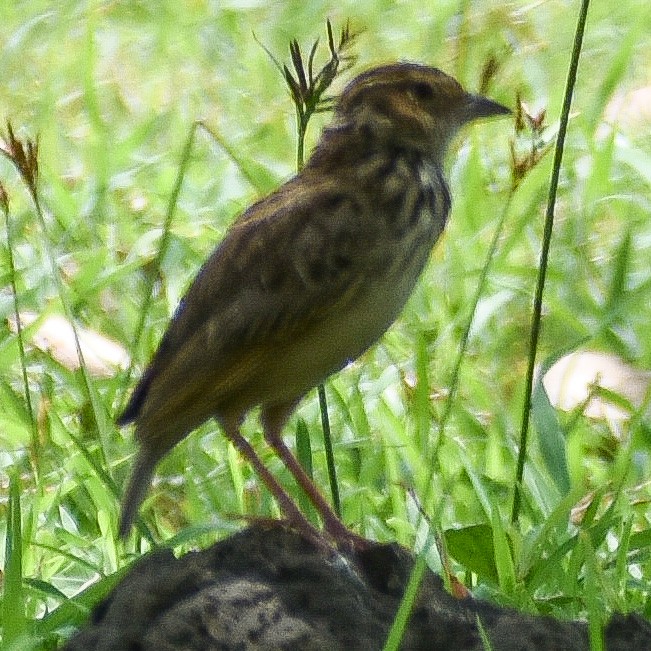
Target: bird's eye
422, 91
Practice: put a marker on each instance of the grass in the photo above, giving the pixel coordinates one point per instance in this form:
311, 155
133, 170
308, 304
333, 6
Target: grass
113, 111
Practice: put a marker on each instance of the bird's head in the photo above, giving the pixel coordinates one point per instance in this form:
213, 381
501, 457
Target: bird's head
410, 105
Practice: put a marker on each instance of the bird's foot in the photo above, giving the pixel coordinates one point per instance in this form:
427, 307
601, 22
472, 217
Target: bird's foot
343, 538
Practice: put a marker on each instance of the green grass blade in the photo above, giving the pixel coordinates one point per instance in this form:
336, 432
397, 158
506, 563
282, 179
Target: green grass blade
13, 605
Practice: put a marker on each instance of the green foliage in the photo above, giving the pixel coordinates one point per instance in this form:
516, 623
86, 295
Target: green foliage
133, 198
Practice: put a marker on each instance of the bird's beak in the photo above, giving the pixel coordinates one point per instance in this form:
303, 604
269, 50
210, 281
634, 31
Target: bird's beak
482, 107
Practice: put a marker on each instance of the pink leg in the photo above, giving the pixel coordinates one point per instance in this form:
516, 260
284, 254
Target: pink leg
273, 419
287, 506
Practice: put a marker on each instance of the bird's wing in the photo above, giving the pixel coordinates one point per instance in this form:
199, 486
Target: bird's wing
284, 265
288, 257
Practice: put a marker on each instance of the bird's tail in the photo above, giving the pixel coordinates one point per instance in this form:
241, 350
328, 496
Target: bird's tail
136, 488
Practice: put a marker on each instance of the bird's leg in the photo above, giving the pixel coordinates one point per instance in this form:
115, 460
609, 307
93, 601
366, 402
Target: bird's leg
273, 419
291, 512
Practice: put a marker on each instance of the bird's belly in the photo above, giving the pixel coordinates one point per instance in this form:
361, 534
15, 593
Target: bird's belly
327, 346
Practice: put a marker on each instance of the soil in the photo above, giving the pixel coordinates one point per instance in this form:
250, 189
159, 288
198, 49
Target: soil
269, 588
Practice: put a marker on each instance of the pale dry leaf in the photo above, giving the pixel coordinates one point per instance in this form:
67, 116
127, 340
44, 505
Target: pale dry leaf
55, 336
572, 381
632, 110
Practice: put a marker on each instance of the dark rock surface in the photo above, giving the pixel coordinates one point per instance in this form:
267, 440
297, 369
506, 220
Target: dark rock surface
268, 588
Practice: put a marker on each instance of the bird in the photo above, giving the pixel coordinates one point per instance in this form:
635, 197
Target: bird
307, 278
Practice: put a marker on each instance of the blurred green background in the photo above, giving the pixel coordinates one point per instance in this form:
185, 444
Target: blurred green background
112, 90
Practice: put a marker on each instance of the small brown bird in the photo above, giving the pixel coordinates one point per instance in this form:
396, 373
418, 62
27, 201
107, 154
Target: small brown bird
307, 278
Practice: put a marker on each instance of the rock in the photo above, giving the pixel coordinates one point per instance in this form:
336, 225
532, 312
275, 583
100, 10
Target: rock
268, 588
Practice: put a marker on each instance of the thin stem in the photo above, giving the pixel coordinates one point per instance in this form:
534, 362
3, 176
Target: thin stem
463, 345
308, 90
162, 249
300, 143
21, 343
330, 457
544, 255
